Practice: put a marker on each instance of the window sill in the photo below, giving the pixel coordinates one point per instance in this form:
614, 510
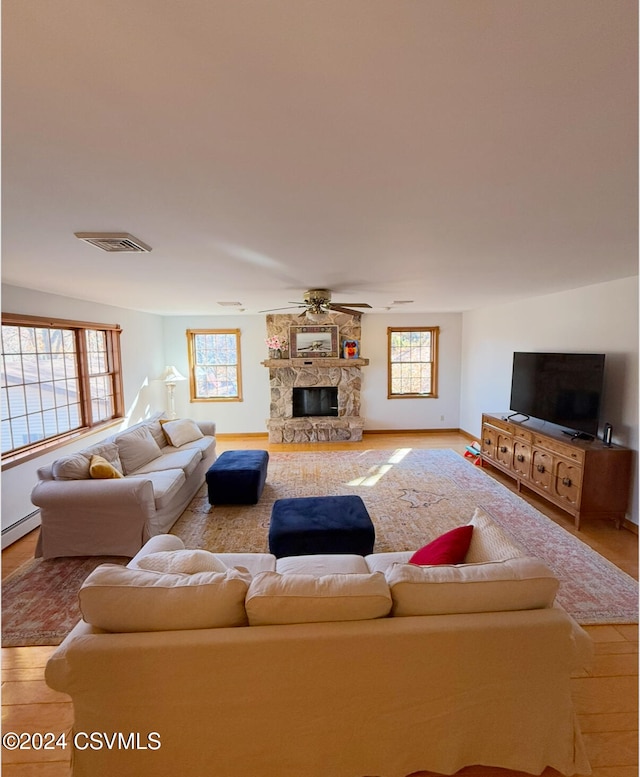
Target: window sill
21, 457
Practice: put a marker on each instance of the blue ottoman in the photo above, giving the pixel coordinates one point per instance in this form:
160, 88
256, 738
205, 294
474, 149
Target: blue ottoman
320, 524
237, 477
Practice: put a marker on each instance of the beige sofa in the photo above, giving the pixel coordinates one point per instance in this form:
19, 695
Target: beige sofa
137, 488
339, 679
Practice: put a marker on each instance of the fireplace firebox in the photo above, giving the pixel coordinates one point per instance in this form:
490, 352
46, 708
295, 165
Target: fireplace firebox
315, 401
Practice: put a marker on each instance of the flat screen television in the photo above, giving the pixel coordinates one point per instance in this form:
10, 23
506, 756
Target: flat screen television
561, 388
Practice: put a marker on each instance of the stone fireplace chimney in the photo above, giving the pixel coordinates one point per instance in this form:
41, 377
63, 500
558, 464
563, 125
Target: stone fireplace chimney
289, 373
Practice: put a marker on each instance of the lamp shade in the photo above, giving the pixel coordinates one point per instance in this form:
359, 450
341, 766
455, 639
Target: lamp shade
171, 375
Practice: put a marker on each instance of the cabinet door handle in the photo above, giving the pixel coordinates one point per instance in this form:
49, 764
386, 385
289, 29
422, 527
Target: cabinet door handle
566, 481
487, 441
540, 467
503, 449
520, 457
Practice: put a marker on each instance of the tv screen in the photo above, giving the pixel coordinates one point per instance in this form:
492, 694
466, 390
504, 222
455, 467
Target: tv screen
562, 388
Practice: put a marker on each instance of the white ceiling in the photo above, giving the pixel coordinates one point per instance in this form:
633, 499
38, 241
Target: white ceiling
457, 153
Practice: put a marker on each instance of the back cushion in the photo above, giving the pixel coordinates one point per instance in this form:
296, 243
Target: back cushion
137, 448
291, 598
513, 584
121, 599
76, 466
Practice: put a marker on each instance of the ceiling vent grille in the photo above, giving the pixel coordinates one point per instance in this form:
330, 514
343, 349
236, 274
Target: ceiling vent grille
119, 242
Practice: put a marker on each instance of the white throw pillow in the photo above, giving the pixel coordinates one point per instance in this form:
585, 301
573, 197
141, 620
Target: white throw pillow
181, 431
488, 541
186, 562
136, 448
513, 584
120, 599
275, 599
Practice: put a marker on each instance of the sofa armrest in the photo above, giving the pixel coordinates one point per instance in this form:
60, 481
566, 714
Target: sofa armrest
93, 517
207, 427
116, 494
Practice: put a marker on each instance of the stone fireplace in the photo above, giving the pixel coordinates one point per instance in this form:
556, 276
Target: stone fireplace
343, 375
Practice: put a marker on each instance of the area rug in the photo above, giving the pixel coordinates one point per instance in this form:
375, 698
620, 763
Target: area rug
412, 496
40, 599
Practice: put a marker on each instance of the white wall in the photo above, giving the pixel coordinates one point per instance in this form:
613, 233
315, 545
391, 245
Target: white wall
142, 361
382, 413
597, 319
252, 413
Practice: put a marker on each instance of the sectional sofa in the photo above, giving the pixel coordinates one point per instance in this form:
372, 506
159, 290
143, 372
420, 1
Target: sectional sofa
309, 666
110, 498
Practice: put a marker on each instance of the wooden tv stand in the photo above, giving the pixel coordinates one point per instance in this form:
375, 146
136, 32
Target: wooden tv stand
584, 478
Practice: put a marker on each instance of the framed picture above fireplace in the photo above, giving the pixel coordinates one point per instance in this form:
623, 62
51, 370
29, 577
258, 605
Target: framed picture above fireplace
313, 342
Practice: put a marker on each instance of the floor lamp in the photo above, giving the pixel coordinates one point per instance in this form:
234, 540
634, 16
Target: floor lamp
171, 376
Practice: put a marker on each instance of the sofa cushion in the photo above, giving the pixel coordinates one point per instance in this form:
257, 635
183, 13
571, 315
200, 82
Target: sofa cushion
136, 448
155, 427
522, 583
101, 469
172, 458
166, 484
489, 542
275, 599
181, 431
323, 564
76, 465
72, 467
449, 548
121, 599
253, 562
204, 444
380, 562
187, 561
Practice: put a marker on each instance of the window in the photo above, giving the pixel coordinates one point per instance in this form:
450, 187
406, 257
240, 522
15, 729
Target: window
214, 365
413, 362
58, 378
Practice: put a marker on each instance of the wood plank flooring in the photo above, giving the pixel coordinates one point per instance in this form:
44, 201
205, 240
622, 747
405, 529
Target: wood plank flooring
606, 697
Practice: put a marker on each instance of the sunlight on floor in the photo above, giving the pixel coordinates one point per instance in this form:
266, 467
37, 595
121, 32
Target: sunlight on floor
375, 473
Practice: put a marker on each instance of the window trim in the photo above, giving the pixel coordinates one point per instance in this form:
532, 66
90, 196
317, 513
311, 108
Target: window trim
435, 334
192, 380
114, 354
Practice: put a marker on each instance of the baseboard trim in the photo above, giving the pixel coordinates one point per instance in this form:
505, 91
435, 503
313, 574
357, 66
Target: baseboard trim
410, 431
630, 525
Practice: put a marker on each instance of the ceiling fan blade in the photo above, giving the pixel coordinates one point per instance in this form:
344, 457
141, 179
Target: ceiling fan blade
340, 309
272, 310
355, 304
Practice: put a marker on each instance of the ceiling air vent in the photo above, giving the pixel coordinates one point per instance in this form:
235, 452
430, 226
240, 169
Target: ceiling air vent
121, 242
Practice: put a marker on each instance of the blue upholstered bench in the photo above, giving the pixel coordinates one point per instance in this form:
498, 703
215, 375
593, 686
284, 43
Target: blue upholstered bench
320, 524
237, 477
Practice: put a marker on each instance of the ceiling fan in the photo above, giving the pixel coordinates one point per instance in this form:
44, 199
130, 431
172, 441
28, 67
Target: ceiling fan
318, 301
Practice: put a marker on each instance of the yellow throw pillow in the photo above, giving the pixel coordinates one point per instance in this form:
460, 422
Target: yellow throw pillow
100, 468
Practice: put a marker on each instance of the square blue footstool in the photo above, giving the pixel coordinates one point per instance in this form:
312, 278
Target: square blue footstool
237, 477
304, 526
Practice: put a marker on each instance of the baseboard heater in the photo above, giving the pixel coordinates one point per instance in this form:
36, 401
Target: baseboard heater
19, 528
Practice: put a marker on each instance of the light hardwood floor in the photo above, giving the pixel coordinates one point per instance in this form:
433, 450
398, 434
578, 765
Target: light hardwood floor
606, 697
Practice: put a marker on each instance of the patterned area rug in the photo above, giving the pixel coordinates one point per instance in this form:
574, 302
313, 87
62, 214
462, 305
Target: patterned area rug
412, 496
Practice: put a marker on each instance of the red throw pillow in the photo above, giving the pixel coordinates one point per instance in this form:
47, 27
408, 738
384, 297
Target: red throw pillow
449, 548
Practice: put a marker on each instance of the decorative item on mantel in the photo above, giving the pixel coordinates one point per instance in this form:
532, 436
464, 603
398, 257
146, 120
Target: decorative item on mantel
276, 347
